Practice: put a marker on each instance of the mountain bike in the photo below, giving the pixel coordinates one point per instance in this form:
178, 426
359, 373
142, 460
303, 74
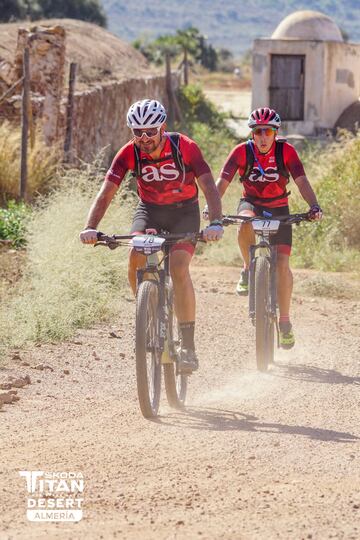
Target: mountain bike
157, 341
262, 281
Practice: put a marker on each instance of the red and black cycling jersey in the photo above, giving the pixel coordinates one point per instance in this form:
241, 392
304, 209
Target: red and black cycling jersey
161, 182
258, 186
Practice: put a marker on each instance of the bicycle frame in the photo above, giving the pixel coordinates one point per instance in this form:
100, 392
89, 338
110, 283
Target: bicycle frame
161, 276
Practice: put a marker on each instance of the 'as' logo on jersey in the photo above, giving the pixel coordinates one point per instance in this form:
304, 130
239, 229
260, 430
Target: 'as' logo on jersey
271, 175
166, 172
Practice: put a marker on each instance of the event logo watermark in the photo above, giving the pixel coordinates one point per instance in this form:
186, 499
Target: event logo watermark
54, 496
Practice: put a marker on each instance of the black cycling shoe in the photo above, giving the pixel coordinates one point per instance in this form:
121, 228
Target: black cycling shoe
187, 362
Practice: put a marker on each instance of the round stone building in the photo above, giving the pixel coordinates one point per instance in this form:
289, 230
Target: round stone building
306, 72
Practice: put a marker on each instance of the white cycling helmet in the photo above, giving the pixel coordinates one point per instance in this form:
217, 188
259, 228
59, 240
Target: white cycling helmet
146, 113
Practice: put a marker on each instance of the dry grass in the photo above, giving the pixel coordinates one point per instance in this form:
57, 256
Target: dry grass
66, 285
334, 285
42, 163
333, 244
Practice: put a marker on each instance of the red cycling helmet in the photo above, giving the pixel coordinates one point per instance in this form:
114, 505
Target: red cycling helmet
264, 117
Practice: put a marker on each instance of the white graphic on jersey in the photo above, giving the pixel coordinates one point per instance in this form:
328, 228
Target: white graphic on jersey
166, 172
271, 175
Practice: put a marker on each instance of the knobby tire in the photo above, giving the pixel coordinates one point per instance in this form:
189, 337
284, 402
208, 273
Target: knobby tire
148, 366
175, 385
264, 326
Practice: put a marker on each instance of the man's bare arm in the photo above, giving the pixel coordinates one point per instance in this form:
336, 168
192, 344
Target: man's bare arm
306, 190
221, 186
101, 204
208, 187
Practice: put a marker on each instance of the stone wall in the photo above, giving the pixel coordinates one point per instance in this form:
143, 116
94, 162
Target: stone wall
100, 114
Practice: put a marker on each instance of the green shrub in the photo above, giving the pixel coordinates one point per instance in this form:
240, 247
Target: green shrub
195, 108
334, 243
13, 221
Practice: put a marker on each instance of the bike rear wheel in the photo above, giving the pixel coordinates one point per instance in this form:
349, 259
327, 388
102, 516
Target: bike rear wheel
175, 384
148, 365
264, 326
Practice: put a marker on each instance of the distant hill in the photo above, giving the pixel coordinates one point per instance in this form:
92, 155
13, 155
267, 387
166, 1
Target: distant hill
232, 24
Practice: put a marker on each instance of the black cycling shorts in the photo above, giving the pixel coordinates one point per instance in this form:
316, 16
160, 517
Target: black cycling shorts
174, 218
284, 234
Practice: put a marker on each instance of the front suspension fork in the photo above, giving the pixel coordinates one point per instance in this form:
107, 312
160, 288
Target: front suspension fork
272, 258
162, 311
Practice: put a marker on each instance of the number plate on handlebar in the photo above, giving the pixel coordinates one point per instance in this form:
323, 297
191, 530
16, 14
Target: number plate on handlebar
147, 244
265, 225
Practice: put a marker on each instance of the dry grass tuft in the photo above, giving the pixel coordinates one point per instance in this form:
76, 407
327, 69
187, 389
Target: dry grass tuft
42, 163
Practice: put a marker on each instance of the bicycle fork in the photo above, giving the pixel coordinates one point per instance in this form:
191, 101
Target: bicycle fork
158, 276
271, 256
163, 318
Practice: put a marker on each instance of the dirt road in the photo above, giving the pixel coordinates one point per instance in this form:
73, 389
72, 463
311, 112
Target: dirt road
254, 456
235, 102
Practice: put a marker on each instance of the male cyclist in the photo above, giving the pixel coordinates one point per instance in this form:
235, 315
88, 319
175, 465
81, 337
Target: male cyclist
264, 164
167, 167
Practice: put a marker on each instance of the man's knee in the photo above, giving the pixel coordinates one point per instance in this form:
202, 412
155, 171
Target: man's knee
136, 260
283, 265
179, 265
245, 228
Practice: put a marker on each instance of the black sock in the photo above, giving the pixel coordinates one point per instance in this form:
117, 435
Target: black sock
187, 330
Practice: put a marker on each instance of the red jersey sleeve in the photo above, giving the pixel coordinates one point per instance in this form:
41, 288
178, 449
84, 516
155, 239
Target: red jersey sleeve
122, 162
193, 157
236, 160
292, 161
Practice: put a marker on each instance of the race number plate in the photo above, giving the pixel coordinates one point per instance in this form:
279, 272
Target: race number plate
147, 244
265, 225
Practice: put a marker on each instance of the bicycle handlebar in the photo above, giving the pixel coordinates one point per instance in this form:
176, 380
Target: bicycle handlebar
290, 219
116, 240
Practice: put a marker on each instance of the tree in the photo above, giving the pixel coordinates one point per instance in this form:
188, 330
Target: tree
12, 10
189, 39
86, 10
196, 44
155, 51
207, 55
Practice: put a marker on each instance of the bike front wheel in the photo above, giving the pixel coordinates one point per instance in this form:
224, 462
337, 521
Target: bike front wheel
264, 325
148, 364
175, 384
